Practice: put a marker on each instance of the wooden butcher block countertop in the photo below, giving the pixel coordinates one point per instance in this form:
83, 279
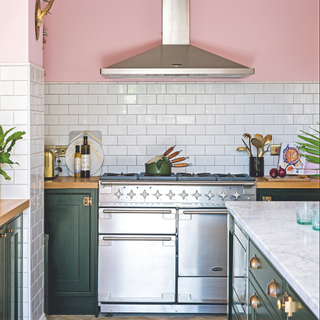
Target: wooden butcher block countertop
288, 182
72, 183
9, 208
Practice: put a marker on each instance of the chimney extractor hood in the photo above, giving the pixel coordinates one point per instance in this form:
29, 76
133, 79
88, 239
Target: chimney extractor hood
176, 58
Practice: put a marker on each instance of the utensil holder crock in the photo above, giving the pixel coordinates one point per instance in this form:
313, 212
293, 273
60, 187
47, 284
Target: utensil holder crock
256, 166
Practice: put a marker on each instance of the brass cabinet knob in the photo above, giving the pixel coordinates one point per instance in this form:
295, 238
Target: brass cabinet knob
9, 230
272, 289
255, 262
254, 301
287, 303
3, 235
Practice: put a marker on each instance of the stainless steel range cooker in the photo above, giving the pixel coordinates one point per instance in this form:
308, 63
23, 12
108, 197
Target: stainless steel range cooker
163, 241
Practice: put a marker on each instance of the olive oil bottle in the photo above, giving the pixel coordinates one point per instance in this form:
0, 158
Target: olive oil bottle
77, 162
85, 158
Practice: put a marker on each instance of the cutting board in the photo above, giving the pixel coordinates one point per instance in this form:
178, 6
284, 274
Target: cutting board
288, 178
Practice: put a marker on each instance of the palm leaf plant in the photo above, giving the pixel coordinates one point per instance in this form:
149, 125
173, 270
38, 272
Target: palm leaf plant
6, 145
310, 145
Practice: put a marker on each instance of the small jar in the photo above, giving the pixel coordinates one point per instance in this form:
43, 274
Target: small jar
256, 166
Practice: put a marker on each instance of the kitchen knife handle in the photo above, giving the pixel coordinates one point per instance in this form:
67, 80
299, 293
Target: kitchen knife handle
169, 150
179, 159
182, 165
173, 154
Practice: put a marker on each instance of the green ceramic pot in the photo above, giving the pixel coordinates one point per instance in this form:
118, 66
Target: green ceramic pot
161, 167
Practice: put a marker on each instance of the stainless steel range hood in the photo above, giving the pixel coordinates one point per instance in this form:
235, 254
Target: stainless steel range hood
176, 58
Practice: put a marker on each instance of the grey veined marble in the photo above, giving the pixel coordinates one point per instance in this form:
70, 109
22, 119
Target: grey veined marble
293, 249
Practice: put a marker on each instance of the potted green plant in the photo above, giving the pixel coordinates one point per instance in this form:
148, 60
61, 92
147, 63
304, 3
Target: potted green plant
310, 145
6, 145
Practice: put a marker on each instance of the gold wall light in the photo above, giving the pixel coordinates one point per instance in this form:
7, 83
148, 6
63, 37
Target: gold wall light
39, 15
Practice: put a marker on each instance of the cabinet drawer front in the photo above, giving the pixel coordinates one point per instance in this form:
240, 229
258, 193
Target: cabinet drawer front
265, 310
137, 221
265, 272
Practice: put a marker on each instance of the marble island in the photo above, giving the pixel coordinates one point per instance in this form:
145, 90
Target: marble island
293, 249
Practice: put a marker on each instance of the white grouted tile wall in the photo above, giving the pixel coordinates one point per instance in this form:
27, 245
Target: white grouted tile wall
205, 120
37, 190
22, 106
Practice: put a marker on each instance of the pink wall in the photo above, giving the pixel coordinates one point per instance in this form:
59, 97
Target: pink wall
280, 39
13, 31
35, 46
17, 35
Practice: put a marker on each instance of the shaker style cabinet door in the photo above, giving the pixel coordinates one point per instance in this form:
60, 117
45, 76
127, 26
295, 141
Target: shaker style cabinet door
11, 270
72, 228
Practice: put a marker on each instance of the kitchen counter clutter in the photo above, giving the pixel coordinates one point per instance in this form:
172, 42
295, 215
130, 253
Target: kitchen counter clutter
9, 208
292, 249
66, 182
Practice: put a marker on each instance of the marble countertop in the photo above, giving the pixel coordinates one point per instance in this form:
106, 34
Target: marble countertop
293, 249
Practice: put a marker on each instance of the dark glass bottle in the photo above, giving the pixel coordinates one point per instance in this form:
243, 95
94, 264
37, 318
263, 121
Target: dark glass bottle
85, 158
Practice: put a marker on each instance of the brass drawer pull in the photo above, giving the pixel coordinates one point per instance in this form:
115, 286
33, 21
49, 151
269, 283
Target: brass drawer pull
3, 235
287, 303
255, 263
272, 289
254, 301
9, 230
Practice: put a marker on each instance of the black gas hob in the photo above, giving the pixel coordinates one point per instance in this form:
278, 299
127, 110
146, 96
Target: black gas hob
176, 177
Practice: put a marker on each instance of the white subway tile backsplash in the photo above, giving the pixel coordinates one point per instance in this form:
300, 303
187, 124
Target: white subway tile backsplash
205, 119
176, 109
137, 109
186, 119
68, 120
264, 119
78, 89
156, 88
67, 99
215, 109
225, 119
196, 88
57, 89
14, 73
273, 88
215, 88
225, 98
86, 119
195, 109
303, 98
293, 88
147, 99
90, 99
152, 116
20, 87
205, 99
6, 117
166, 99
176, 88
176, 129
137, 88
14, 102
146, 119
78, 109
127, 119
6, 88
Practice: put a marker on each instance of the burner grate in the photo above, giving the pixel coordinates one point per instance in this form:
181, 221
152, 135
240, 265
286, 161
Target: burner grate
146, 177
119, 176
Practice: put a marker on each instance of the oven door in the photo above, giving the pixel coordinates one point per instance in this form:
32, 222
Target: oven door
202, 256
136, 268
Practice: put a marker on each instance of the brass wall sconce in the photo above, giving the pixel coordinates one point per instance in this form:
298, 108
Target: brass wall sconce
39, 15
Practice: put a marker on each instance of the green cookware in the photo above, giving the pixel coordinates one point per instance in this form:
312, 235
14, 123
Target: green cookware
161, 167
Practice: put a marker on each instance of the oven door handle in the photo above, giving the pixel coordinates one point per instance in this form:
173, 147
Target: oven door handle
218, 211
137, 238
138, 211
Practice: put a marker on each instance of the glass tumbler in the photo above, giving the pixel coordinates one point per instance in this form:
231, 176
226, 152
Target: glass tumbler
315, 218
304, 213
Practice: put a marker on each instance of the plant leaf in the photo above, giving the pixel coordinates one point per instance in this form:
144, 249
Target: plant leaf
312, 159
312, 141
5, 174
3, 135
309, 150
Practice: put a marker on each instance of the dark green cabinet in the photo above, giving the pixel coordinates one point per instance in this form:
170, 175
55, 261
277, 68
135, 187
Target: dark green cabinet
71, 223
288, 194
11, 269
250, 283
